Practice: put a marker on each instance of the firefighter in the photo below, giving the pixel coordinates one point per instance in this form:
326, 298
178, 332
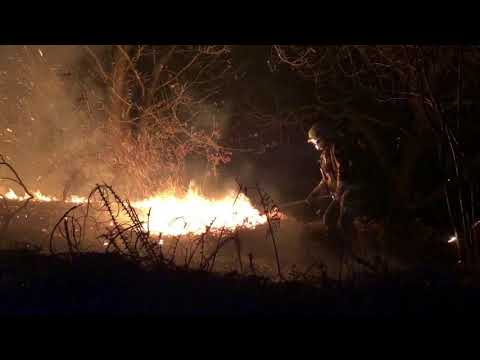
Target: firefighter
346, 191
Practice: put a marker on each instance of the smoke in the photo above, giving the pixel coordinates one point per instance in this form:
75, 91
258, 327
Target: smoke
52, 128
213, 117
53, 122
49, 117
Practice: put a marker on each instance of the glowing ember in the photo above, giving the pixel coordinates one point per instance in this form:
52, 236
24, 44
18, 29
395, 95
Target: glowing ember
193, 213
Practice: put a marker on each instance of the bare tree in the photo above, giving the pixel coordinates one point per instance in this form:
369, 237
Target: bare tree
156, 96
430, 83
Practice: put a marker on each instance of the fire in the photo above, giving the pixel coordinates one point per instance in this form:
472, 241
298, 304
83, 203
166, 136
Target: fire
10, 195
38, 196
173, 215
77, 199
193, 213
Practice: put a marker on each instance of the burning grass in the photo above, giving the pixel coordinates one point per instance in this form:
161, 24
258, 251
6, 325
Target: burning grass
169, 228
189, 230
117, 226
192, 213
171, 214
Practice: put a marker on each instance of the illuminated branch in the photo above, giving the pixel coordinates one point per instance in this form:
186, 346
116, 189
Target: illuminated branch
17, 180
132, 66
156, 96
100, 68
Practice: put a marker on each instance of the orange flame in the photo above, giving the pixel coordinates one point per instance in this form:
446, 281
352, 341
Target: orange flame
193, 213
10, 195
77, 199
38, 196
174, 215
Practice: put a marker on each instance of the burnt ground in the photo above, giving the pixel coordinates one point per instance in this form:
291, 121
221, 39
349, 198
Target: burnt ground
99, 284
